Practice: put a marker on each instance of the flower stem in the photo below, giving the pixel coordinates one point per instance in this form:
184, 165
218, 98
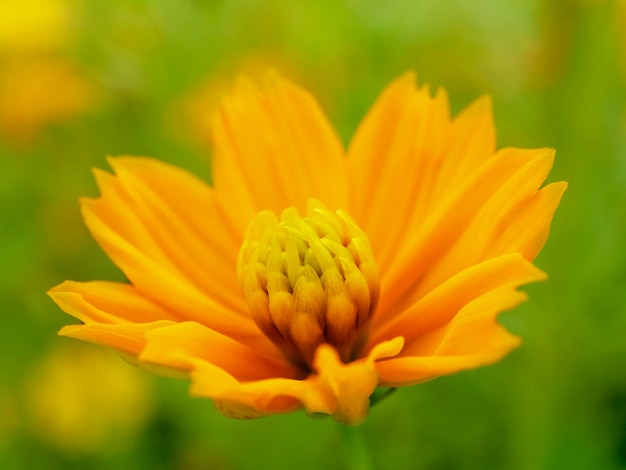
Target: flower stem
380, 394
358, 456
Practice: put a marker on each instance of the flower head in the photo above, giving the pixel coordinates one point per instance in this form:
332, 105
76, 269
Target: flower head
309, 281
39, 84
78, 401
37, 92
34, 26
306, 275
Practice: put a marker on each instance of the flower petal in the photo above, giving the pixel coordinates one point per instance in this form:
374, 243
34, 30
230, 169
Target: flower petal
248, 400
472, 339
401, 139
353, 383
341, 390
148, 220
460, 201
107, 302
511, 172
408, 136
128, 338
274, 149
516, 218
471, 142
166, 345
179, 213
527, 230
445, 302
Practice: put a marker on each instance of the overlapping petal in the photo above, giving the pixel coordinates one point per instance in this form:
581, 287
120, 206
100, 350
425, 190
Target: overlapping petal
161, 227
442, 304
338, 389
128, 338
472, 339
108, 302
274, 148
401, 139
190, 339
459, 198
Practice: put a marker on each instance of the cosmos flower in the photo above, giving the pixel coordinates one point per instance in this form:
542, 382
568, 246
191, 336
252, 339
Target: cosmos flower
35, 26
191, 116
37, 92
82, 404
308, 275
39, 84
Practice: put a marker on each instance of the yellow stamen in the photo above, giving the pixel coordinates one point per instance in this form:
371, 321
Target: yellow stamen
309, 280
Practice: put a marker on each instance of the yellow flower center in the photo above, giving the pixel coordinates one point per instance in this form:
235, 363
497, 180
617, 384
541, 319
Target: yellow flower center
309, 280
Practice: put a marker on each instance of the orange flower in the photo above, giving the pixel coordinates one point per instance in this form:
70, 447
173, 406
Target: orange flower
31, 26
36, 92
78, 401
385, 265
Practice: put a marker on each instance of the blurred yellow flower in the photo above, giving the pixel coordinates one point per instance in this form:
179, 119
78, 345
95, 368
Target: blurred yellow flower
80, 402
39, 86
36, 92
34, 25
192, 114
383, 265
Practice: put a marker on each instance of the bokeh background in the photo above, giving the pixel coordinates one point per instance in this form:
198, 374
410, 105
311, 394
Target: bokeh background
80, 80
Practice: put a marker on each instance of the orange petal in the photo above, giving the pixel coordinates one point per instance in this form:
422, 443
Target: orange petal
247, 400
401, 139
409, 136
128, 338
527, 230
165, 346
442, 304
458, 198
353, 383
426, 244
107, 302
483, 235
472, 141
186, 225
135, 224
274, 149
341, 390
472, 339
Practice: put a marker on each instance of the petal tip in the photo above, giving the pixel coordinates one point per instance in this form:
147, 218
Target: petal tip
408, 80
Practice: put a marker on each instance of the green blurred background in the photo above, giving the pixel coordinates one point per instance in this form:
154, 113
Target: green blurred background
80, 80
